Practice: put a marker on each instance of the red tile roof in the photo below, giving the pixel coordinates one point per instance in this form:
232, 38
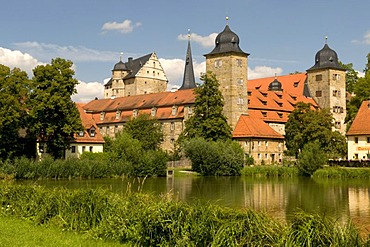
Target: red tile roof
87, 123
293, 84
361, 123
145, 101
249, 126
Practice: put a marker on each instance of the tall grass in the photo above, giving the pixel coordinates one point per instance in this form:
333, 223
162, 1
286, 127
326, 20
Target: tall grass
342, 173
144, 220
270, 171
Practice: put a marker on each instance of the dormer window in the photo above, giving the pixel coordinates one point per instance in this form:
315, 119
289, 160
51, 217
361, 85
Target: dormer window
102, 114
264, 94
174, 110
92, 131
81, 133
264, 114
118, 114
296, 84
280, 115
134, 113
294, 97
154, 111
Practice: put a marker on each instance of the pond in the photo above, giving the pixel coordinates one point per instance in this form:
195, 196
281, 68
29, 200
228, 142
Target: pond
280, 198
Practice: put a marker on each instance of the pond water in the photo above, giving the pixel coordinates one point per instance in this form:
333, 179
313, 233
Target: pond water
280, 198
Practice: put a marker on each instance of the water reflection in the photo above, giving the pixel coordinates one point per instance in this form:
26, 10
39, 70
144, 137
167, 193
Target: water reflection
280, 198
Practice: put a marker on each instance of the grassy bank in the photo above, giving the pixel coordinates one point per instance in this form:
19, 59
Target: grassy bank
145, 220
342, 173
270, 171
23, 233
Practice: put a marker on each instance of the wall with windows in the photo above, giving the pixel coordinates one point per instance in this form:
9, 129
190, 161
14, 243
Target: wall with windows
268, 151
77, 149
359, 147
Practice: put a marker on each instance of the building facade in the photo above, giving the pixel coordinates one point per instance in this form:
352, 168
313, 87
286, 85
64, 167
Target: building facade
358, 135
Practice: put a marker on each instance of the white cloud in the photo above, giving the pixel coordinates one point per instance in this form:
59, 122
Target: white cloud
125, 26
205, 41
15, 58
263, 71
174, 69
365, 40
76, 53
87, 91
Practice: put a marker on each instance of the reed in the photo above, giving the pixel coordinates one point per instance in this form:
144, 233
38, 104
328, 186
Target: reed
270, 171
342, 173
144, 220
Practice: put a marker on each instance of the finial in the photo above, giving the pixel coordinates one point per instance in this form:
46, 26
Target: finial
189, 33
275, 75
227, 20
120, 56
326, 39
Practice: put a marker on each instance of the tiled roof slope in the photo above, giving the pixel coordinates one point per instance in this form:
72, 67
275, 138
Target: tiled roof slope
87, 123
361, 123
249, 126
292, 84
145, 101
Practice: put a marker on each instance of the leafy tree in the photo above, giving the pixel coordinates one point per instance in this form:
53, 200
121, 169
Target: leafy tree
208, 120
308, 125
145, 129
361, 92
311, 158
54, 117
210, 158
351, 76
14, 89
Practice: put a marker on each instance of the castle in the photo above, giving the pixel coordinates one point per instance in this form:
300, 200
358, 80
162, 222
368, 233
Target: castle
257, 110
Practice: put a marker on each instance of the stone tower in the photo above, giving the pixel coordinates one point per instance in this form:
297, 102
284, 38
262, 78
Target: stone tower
230, 65
327, 84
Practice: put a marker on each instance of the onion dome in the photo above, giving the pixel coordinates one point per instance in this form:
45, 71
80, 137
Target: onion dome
275, 85
227, 41
120, 66
326, 58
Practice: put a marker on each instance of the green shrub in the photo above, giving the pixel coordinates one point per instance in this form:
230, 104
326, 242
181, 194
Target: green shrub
221, 158
311, 158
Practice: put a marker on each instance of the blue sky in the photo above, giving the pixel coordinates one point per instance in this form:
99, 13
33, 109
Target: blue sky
281, 36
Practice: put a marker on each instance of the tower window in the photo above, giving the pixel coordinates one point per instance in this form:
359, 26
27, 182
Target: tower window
239, 63
318, 77
336, 77
337, 125
318, 93
218, 63
335, 93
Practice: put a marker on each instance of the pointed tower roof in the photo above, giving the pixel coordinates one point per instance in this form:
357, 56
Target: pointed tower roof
188, 81
227, 41
326, 58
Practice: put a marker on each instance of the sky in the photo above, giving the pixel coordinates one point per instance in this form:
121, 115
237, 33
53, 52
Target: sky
281, 36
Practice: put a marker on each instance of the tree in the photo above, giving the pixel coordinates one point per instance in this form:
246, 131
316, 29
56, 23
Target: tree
14, 90
54, 116
145, 129
308, 125
208, 120
361, 92
351, 76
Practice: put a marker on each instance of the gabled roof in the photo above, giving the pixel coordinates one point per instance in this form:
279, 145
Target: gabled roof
136, 64
249, 126
87, 123
361, 123
144, 101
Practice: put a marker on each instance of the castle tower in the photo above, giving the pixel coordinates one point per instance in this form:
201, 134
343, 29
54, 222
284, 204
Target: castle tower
115, 87
230, 65
188, 81
327, 84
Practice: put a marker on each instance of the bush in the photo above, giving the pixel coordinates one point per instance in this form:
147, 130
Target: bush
221, 158
311, 158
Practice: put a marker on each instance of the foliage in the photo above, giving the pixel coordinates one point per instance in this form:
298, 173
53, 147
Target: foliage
14, 90
145, 129
311, 158
249, 161
306, 125
145, 220
361, 91
54, 117
209, 158
351, 76
208, 121
138, 161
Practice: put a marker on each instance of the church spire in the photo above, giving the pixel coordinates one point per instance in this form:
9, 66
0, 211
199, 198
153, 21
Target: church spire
188, 81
